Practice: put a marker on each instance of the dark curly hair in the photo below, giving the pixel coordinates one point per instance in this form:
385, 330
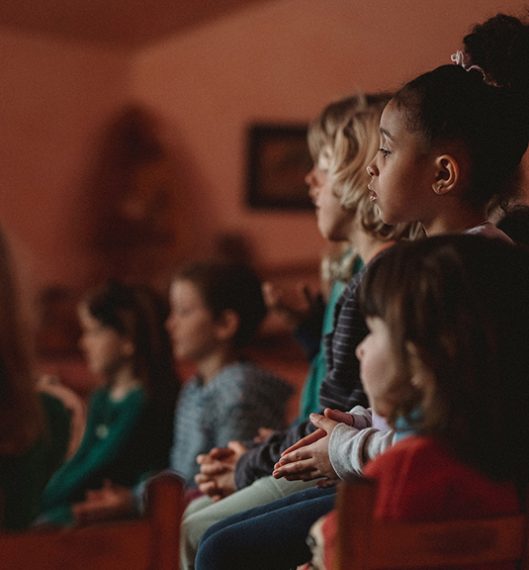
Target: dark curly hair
450, 104
500, 46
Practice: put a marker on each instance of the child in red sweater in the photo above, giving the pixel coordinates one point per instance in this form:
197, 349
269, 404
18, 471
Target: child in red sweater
446, 363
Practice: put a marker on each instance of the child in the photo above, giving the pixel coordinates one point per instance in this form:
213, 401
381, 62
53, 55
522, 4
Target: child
338, 187
446, 354
130, 417
451, 142
216, 308
34, 428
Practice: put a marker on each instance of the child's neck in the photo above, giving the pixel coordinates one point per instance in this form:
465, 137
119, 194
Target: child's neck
368, 246
457, 220
211, 364
123, 381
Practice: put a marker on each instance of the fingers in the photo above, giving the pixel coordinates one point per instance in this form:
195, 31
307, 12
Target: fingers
300, 470
214, 469
296, 455
339, 416
220, 452
272, 296
304, 441
209, 488
309, 296
237, 448
323, 423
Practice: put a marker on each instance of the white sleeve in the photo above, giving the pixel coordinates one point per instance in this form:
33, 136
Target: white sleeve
351, 448
362, 417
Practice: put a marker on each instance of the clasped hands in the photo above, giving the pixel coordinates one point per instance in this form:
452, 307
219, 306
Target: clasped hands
308, 458
217, 470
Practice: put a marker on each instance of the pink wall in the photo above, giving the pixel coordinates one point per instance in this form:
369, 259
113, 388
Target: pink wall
282, 60
55, 97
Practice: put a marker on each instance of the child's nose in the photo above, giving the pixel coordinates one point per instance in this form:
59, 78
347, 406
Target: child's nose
309, 177
372, 169
359, 351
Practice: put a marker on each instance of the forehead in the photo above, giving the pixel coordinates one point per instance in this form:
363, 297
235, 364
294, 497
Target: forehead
392, 121
184, 289
394, 128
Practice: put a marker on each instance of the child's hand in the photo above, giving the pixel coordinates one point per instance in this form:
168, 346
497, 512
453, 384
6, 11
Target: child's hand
339, 416
293, 308
109, 502
311, 460
217, 470
263, 433
336, 415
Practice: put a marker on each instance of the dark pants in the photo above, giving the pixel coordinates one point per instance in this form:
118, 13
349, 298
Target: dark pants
270, 537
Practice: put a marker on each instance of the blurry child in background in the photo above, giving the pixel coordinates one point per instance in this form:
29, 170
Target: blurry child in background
216, 309
34, 428
128, 430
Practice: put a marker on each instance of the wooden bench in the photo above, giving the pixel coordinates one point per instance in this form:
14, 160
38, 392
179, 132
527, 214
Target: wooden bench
364, 543
147, 543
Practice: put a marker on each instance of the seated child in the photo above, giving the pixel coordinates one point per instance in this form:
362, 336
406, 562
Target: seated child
129, 419
34, 428
446, 363
216, 308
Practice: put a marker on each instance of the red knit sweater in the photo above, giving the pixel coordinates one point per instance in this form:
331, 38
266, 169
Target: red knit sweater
420, 480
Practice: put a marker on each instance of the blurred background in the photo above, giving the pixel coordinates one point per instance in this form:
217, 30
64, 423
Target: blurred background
124, 147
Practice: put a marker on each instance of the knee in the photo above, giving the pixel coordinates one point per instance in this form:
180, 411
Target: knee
214, 553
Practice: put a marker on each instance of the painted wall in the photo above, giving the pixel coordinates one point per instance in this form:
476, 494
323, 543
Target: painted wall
55, 98
279, 61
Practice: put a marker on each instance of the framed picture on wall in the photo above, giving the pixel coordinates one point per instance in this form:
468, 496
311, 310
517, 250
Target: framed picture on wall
278, 161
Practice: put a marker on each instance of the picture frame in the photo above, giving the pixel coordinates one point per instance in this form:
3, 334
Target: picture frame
278, 162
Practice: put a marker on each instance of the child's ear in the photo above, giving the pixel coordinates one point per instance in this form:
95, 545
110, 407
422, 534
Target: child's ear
447, 174
227, 325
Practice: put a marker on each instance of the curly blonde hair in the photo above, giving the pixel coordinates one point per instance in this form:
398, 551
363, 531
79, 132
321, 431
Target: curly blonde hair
348, 130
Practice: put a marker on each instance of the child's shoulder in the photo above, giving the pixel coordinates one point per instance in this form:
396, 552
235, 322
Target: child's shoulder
413, 450
247, 376
420, 478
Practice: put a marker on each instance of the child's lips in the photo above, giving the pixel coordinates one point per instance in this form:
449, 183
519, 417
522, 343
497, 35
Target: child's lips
372, 193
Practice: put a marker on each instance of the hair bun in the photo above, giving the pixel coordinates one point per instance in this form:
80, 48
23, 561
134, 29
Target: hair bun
500, 46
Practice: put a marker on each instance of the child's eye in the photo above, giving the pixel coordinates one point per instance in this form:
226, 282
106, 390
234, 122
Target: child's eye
384, 152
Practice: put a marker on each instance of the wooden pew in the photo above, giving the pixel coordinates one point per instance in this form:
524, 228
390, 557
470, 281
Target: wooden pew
364, 543
147, 543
